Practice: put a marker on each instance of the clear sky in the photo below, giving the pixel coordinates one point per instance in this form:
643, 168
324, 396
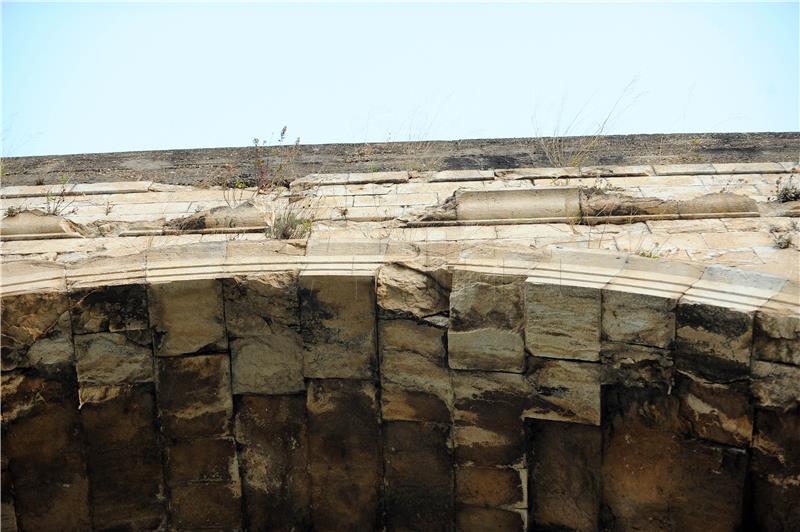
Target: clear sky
112, 77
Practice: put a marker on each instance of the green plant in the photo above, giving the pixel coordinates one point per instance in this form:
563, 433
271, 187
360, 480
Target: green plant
234, 189
12, 211
276, 165
781, 238
284, 223
786, 190
57, 203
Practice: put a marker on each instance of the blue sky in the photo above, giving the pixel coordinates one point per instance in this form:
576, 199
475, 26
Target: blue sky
113, 77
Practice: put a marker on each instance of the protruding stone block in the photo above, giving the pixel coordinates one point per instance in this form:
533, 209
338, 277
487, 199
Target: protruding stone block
415, 382
337, 318
562, 321
418, 476
111, 359
776, 386
636, 318
404, 290
187, 317
36, 332
486, 322
273, 442
564, 390
194, 396
109, 309
777, 338
636, 365
565, 476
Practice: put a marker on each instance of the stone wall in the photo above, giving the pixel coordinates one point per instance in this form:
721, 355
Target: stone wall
645, 396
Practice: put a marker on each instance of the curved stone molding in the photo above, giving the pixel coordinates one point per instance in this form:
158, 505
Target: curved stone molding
37, 225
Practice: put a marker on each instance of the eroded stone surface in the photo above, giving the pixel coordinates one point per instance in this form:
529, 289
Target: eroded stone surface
776, 385
564, 390
108, 359
36, 331
777, 338
494, 487
636, 365
109, 309
638, 318
406, 290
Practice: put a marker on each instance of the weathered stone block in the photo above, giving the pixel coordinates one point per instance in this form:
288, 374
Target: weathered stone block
202, 460
418, 476
636, 365
124, 459
187, 317
486, 322
713, 342
775, 385
206, 505
40, 421
268, 365
653, 478
415, 381
255, 306
564, 390
638, 318
720, 413
273, 446
562, 321
777, 338
8, 516
337, 317
404, 290
565, 476
495, 487
108, 359
194, 396
474, 519
109, 309
36, 331
488, 409
344, 453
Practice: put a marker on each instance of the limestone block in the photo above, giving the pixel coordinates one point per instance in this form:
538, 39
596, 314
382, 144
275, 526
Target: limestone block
194, 396
337, 319
269, 365
777, 338
344, 454
273, 446
415, 382
477, 519
494, 487
713, 341
635, 365
109, 309
206, 505
565, 476
562, 321
564, 390
637, 318
402, 289
124, 460
187, 317
202, 460
488, 409
108, 359
719, 413
40, 420
775, 385
254, 306
418, 475
774, 469
486, 322
654, 477
36, 331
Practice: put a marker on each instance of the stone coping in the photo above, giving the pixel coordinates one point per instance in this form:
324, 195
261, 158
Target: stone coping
594, 269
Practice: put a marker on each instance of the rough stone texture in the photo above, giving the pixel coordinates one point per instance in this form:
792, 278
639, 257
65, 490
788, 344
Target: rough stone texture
774, 470
194, 396
635, 365
344, 454
109, 359
206, 505
405, 290
564, 390
8, 517
124, 460
777, 338
40, 421
776, 385
713, 342
418, 476
654, 479
187, 317
638, 318
565, 484
109, 309
415, 382
562, 321
493, 487
486, 322
337, 319
273, 441
476, 519
36, 331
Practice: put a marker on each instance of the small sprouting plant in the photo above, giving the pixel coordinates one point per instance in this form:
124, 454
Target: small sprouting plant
234, 189
782, 239
288, 223
57, 202
13, 211
648, 253
275, 166
786, 190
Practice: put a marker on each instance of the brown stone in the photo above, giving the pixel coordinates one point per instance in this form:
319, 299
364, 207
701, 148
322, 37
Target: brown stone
777, 338
255, 306
202, 460
713, 342
36, 331
640, 319
655, 479
415, 381
565, 476
8, 516
345, 498
636, 365
194, 396
405, 290
124, 460
109, 309
206, 505
498, 487
272, 438
776, 385
109, 359
272, 364
418, 476
564, 390
337, 318
187, 317
475, 519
